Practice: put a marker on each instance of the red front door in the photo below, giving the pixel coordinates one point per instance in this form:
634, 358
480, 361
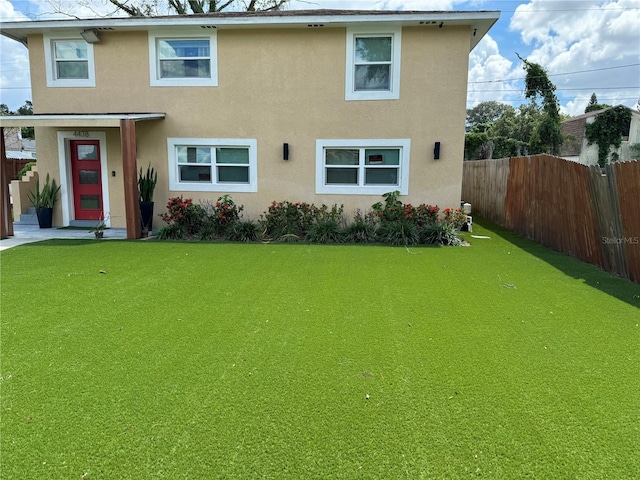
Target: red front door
87, 179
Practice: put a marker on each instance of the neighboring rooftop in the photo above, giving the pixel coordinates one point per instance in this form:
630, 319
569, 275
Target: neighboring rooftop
575, 127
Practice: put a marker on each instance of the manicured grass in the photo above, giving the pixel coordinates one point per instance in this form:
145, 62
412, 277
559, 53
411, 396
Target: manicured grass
499, 360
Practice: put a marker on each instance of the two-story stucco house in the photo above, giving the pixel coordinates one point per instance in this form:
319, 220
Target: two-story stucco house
320, 106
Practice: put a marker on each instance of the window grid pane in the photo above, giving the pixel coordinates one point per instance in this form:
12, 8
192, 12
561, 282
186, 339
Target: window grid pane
373, 49
382, 156
381, 176
71, 50
232, 155
193, 155
372, 77
185, 69
233, 174
341, 156
342, 176
196, 48
189, 173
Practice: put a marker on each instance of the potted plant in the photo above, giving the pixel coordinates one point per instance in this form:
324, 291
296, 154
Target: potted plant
44, 200
100, 226
146, 186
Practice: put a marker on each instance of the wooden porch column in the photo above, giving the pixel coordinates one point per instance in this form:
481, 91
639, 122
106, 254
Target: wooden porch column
6, 222
130, 174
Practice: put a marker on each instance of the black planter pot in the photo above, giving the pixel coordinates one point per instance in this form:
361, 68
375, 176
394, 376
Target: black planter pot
146, 216
45, 217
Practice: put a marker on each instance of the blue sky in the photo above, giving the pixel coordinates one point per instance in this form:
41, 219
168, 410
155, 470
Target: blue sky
587, 46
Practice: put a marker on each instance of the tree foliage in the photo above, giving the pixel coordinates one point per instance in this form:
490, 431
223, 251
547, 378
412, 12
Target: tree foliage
486, 113
593, 104
26, 109
548, 135
509, 135
473, 141
607, 131
147, 8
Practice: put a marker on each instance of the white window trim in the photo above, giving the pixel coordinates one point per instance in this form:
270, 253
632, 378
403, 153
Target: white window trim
404, 144
394, 92
49, 58
175, 185
154, 66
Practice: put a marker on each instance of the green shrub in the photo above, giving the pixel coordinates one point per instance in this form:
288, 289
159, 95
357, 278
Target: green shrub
456, 217
172, 231
27, 168
362, 229
425, 214
325, 230
398, 232
286, 221
222, 214
208, 231
392, 210
243, 231
440, 233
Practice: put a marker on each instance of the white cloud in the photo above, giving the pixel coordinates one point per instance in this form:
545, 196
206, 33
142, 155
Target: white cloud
486, 64
570, 36
15, 82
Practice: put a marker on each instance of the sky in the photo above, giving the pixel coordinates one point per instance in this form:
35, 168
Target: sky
586, 46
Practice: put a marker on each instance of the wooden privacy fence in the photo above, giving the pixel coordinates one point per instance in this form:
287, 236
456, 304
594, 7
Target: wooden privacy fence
588, 213
14, 166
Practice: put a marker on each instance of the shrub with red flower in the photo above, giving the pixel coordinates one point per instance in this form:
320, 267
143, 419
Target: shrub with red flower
426, 214
456, 217
183, 214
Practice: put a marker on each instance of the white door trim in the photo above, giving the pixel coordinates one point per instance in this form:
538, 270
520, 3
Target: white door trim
66, 179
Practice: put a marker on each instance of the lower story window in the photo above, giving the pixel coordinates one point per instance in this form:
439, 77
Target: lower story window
368, 167
197, 164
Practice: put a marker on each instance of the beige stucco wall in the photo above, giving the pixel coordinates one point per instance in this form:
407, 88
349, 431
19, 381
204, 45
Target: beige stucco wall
276, 86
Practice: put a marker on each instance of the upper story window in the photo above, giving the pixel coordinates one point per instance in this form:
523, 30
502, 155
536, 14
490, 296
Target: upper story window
367, 167
179, 59
212, 164
69, 62
373, 64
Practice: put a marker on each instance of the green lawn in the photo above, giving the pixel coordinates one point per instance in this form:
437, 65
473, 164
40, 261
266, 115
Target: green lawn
194, 360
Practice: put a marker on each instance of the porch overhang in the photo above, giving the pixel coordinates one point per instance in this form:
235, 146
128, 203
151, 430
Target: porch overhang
79, 120
124, 121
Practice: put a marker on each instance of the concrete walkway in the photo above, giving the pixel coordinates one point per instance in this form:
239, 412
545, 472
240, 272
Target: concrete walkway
32, 233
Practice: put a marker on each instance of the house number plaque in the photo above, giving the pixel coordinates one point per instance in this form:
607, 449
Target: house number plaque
81, 133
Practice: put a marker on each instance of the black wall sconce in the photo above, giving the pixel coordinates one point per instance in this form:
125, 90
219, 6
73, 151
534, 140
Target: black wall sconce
285, 151
436, 151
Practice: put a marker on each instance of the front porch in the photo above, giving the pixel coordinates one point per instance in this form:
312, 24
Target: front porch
23, 234
125, 123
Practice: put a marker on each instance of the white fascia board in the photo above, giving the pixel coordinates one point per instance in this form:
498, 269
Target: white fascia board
19, 30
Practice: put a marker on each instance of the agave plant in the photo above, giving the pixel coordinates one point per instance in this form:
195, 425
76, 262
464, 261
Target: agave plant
45, 198
147, 184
